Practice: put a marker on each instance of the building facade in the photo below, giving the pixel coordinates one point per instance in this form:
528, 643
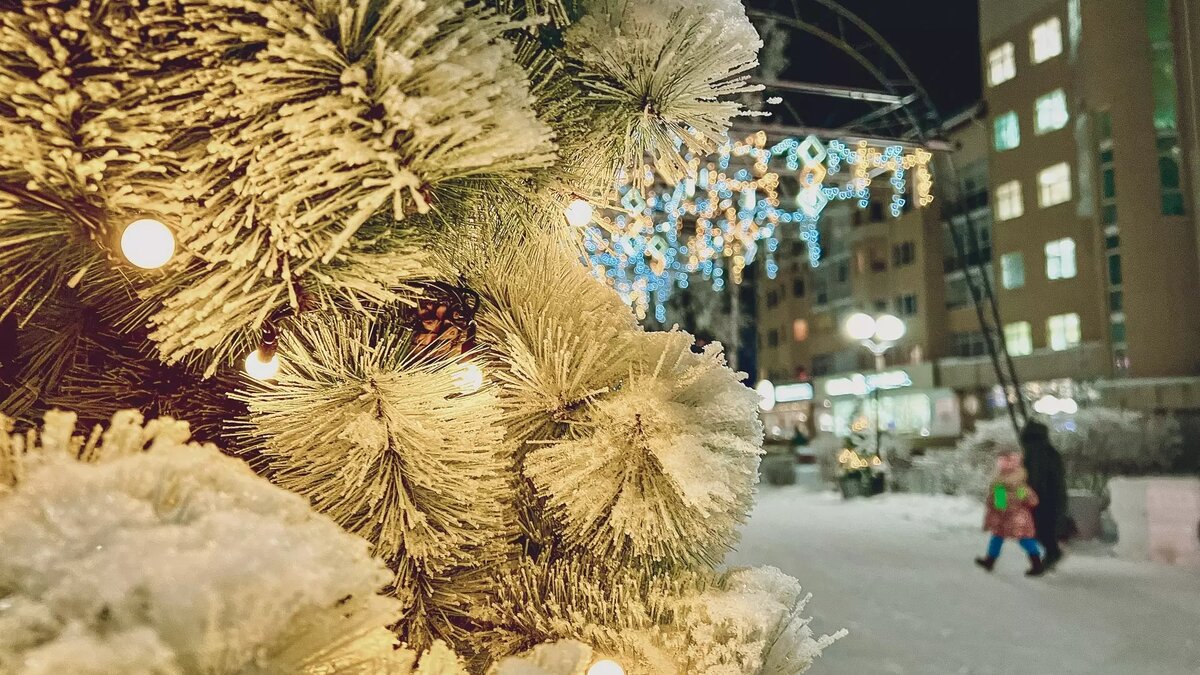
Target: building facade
1080, 175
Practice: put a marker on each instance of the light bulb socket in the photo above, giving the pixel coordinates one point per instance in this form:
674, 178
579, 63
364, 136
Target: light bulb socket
270, 342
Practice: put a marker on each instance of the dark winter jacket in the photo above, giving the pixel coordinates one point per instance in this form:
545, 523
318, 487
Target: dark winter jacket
1046, 475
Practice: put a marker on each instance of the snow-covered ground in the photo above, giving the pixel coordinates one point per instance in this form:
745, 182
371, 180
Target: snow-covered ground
896, 571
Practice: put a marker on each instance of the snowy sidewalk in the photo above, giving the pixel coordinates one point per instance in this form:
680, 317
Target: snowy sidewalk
896, 571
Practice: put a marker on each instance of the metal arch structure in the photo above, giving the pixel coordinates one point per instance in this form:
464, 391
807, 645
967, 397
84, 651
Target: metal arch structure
903, 113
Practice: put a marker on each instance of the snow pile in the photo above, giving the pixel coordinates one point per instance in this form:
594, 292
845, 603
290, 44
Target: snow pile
173, 560
1157, 519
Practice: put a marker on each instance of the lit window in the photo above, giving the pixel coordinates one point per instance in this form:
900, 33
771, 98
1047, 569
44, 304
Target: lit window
1006, 131
1060, 259
1046, 40
1012, 270
1063, 331
1054, 185
1009, 203
1018, 337
1002, 64
1051, 112
799, 330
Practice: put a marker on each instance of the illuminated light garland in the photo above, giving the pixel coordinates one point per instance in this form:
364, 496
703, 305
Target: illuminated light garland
727, 211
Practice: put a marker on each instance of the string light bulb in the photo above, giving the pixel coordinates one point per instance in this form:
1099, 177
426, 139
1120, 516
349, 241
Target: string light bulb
606, 667
262, 367
578, 213
469, 377
147, 243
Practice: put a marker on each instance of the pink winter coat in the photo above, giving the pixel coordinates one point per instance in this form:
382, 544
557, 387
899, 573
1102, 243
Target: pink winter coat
1015, 521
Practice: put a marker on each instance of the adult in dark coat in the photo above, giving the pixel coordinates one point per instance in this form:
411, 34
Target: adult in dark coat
1048, 479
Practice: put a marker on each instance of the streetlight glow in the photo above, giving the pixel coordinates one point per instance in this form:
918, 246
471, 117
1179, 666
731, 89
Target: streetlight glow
860, 326
889, 328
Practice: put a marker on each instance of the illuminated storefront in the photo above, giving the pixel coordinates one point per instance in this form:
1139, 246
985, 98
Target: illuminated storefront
907, 404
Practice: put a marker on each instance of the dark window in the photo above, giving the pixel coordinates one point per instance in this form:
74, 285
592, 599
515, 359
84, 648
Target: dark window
876, 212
1110, 183
1112, 241
1108, 214
1118, 332
822, 364
906, 305
881, 305
772, 298
797, 248
798, 288
1172, 203
843, 272
904, 254
968, 344
1114, 270
773, 338
1116, 301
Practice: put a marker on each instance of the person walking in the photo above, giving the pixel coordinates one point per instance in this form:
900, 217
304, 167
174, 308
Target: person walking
1047, 478
1009, 513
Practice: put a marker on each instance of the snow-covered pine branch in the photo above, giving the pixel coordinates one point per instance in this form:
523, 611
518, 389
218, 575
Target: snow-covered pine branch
150, 554
397, 448
662, 73
662, 469
326, 114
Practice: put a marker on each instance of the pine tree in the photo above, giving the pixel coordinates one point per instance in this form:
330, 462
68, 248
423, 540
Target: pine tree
330, 234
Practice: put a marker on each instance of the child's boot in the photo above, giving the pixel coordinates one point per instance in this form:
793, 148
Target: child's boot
986, 563
1036, 568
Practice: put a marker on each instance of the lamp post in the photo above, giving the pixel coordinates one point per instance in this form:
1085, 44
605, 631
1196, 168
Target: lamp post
878, 334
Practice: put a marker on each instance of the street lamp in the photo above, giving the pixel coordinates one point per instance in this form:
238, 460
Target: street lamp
878, 334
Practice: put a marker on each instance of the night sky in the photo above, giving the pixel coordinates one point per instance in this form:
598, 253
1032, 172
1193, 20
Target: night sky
939, 39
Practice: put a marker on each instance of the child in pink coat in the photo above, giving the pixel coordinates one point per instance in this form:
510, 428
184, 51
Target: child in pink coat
1010, 504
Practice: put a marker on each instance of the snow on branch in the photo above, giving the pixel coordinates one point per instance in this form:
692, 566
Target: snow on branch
133, 550
663, 73
662, 468
397, 448
317, 117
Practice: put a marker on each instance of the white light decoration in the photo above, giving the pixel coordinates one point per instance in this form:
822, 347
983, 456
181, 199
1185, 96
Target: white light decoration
889, 328
259, 369
578, 213
606, 667
469, 378
147, 243
860, 326
1047, 405
766, 395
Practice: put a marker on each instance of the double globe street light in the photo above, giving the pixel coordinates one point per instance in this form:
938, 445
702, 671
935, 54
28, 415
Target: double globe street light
878, 334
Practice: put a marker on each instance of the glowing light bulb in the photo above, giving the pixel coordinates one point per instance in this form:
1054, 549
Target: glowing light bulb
606, 667
766, 395
889, 328
578, 213
860, 326
259, 369
469, 378
147, 243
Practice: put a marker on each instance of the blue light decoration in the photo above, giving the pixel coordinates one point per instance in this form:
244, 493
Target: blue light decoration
727, 211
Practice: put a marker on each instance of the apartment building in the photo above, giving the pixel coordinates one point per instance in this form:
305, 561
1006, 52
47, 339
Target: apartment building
1093, 176
1081, 178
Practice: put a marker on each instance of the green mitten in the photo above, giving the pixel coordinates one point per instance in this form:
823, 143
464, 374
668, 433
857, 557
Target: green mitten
1000, 496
